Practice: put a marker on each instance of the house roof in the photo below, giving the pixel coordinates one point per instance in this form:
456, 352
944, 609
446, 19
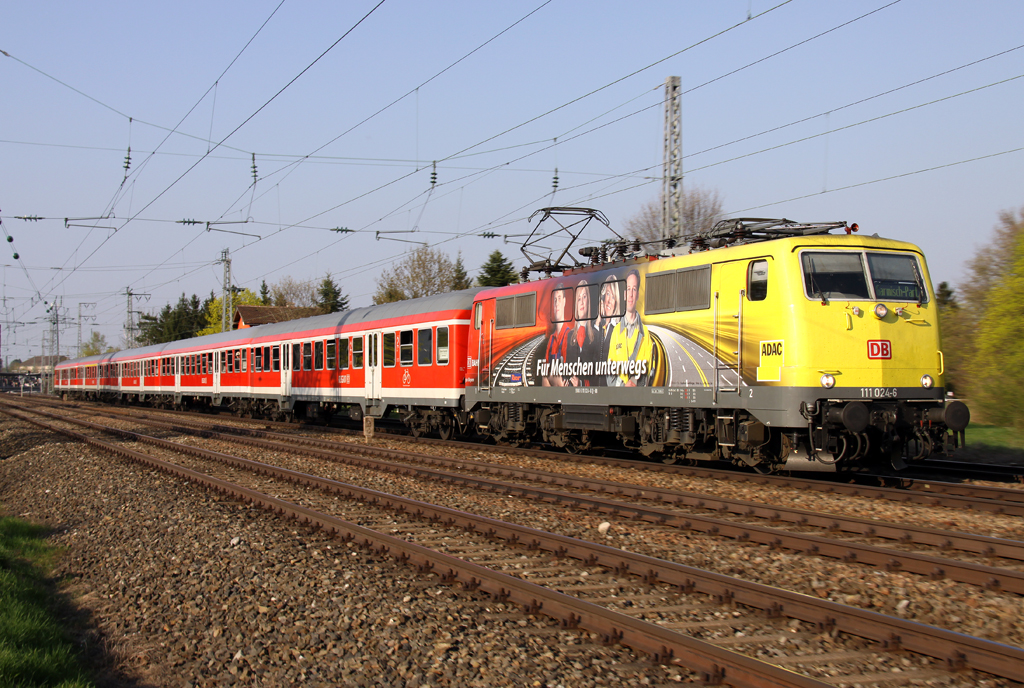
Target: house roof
263, 315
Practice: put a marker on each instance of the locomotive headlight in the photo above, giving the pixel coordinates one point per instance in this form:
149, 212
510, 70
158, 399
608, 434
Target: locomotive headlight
828, 381
927, 381
881, 311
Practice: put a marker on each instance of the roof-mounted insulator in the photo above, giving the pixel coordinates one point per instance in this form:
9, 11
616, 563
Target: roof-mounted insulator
433, 176
253, 168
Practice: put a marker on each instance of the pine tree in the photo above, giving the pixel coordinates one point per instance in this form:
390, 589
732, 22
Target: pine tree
460, 278
497, 272
329, 296
265, 293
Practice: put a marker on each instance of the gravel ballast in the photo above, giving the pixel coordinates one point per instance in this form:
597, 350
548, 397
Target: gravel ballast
188, 588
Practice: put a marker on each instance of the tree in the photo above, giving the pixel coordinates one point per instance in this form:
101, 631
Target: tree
998, 366
214, 308
424, 272
179, 322
264, 293
987, 320
701, 210
460, 278
292, 292
329, 296
97, 344
497, 272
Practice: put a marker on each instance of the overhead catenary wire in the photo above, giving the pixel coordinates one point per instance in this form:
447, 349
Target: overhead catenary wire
503, 167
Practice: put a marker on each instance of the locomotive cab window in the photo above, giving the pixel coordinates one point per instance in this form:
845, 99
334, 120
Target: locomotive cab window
853, 275
757, 280
425, 347
478, 316
896, 277
834, 276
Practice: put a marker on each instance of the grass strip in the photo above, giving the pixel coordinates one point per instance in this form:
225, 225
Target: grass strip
35, 649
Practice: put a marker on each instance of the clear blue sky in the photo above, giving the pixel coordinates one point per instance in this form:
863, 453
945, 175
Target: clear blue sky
499, 94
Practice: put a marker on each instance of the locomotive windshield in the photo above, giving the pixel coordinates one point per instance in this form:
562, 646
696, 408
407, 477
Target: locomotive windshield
862, 276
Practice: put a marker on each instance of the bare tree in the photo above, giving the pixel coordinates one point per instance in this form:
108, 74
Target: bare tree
702, 208
292, 292
423, 272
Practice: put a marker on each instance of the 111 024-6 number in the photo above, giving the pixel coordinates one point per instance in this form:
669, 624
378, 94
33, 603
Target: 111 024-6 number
878, 392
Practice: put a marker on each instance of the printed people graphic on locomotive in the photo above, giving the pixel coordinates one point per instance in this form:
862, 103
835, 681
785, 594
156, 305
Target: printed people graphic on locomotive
610, 312
609, 347
584, 342
558, 342
631, 346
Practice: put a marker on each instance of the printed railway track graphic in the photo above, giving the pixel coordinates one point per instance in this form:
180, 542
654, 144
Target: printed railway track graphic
614, 589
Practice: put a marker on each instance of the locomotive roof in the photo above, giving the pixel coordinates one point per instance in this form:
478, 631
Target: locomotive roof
458, 300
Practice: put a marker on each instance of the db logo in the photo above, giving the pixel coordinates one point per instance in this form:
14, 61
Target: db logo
879, 348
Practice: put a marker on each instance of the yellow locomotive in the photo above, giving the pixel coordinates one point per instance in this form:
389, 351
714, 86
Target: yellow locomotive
768, 343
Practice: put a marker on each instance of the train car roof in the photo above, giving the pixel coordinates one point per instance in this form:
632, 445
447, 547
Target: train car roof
439, 303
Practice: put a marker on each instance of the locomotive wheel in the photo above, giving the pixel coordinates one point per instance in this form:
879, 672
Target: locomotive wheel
445, 429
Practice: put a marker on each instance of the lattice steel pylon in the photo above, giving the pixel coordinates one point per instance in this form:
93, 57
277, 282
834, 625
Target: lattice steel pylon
226, 306
672, 165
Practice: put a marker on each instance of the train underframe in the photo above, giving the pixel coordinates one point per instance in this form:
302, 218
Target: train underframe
838, 435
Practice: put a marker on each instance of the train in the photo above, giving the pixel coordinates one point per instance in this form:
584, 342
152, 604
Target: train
769, 344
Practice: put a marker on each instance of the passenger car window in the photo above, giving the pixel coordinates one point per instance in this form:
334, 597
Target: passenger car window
405, 347
343, 354
425, 347
388, 350
357, 352
442, 346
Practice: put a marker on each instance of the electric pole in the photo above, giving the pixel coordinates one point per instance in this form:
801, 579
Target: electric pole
672, 165
225, 300
130, 324
80, 319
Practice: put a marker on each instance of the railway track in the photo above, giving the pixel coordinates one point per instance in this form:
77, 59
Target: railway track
989, 562
607, 578
930, 492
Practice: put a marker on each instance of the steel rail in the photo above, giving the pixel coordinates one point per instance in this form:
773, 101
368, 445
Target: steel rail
717, 665
935, 567
905, 533
957, 650
929, 492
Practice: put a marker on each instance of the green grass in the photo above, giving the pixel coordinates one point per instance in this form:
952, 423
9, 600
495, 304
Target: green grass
992, 436
34, 648
991, 443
